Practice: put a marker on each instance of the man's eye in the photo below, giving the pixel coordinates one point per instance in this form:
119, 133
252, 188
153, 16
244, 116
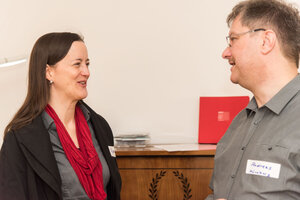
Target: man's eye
77, 64
233, 38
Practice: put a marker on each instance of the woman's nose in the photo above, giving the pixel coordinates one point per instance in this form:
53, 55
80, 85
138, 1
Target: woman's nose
85, 71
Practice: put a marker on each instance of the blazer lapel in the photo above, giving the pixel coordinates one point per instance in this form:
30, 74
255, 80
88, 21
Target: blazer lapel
36, 145
102, 140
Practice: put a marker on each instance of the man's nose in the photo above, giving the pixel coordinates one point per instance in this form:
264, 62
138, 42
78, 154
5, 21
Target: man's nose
226, 53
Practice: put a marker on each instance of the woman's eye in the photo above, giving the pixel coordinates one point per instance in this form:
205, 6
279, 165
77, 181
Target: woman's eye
77, 64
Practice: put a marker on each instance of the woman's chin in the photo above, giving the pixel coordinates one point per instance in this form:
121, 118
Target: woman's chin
82, 96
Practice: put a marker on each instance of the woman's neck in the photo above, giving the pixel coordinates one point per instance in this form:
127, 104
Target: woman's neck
64, 110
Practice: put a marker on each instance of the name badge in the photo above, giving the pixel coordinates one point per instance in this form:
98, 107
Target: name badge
263, 168
112, 151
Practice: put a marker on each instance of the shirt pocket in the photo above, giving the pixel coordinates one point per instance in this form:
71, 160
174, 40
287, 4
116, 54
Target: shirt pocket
267, 156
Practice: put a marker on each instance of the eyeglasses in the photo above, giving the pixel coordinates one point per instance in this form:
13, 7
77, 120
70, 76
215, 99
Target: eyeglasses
231, 38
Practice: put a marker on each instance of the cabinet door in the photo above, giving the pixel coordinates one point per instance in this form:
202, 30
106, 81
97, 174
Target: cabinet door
165, 184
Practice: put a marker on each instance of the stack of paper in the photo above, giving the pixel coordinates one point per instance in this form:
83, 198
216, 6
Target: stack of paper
132, 140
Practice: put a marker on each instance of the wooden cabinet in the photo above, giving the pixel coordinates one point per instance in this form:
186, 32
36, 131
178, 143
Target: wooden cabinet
153, 174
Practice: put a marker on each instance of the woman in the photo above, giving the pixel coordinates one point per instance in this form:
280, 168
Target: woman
56, 146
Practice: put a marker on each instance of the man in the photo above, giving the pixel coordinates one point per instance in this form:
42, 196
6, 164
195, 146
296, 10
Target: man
259, 155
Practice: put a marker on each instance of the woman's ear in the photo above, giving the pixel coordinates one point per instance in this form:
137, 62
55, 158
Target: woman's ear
268, 42
49, 73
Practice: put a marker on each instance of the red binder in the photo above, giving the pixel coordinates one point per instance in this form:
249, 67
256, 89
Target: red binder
216, 114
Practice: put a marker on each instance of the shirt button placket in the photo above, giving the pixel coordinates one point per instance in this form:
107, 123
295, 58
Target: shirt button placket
245, 142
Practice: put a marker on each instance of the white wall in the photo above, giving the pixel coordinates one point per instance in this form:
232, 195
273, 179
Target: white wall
150, 59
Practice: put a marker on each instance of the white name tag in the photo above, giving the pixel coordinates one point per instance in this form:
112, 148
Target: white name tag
263, 168
112, 151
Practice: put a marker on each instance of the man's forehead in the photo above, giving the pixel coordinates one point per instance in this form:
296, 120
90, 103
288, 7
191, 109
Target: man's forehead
236, 26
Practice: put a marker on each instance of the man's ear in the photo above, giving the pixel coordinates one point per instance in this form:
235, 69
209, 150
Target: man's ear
269, 39
49, 73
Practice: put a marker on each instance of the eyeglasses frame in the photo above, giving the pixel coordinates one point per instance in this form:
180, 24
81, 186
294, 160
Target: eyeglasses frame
229, 37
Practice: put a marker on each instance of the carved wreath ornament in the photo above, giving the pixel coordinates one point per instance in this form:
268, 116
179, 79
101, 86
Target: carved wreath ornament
185, 185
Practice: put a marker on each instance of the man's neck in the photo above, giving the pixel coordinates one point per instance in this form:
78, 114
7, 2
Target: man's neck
264, 92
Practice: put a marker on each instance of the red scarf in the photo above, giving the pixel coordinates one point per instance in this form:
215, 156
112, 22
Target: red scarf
85, 161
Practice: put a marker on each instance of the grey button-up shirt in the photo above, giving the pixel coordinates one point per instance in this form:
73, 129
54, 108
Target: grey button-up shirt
259, 155
71, 186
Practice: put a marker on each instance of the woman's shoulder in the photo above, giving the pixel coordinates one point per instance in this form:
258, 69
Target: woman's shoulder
28, 132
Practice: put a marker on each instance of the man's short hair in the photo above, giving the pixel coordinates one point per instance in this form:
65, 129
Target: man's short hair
282, 18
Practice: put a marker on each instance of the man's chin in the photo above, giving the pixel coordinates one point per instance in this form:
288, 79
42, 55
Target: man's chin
234, 80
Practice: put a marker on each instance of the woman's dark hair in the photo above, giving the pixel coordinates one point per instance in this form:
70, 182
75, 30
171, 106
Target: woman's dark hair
48, 50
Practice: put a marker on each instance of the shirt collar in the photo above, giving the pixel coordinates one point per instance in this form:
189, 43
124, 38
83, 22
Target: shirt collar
86, 112
49, 122
280, 100
252, 106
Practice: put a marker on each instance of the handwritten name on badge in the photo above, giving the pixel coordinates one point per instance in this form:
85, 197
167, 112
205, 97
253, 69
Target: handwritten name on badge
263, 168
